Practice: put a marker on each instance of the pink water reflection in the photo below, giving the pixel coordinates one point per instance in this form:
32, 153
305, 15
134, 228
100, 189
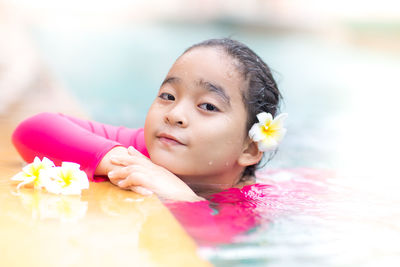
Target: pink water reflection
236, 211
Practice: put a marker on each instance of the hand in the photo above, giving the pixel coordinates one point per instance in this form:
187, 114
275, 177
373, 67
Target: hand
137, 170
106, 166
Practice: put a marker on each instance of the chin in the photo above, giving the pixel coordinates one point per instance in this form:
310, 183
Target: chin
168, 162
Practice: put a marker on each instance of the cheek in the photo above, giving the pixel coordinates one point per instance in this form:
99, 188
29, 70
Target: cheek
222, 145
149, 125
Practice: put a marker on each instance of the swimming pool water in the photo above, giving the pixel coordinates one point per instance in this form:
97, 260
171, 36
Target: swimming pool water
341, 101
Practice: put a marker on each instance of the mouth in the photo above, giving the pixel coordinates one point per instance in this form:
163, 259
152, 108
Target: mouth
169, 139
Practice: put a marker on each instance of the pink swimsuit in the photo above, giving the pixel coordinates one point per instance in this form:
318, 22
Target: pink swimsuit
63, 138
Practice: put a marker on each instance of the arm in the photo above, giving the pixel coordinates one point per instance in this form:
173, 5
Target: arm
92, 145
64, 138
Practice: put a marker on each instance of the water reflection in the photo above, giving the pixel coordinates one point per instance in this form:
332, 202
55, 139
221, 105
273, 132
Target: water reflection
231, 215
316, 219
45, 206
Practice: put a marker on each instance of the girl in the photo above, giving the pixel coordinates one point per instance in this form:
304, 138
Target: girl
195, 139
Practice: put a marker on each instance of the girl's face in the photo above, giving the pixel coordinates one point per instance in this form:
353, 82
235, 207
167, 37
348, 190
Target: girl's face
195, 127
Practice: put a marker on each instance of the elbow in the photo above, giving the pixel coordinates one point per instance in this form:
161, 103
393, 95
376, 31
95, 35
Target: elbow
26, 135
24, 129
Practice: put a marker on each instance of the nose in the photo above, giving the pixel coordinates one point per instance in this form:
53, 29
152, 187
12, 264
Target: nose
176, 116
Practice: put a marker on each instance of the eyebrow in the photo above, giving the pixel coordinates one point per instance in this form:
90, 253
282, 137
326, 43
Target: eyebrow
171, 80
219, 90
216, 89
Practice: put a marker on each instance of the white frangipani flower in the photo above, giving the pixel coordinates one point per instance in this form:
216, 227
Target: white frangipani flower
268, 132
67, 179
29, 176
43, 174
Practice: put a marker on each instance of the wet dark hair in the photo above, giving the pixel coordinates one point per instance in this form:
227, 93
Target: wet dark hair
262, 94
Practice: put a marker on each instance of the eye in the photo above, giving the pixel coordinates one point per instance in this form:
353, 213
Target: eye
167, 96
209, 107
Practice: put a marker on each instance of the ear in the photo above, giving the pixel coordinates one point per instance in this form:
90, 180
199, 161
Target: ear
251, 154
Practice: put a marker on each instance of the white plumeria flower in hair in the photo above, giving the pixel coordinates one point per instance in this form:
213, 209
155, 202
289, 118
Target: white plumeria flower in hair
268, 132
67, 179
30, 173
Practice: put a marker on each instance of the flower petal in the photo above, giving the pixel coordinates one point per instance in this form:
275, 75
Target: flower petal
264, 118
277, 123
281, 117
47, 163
267, 144
280, 134
29, 169
21, 176
255, 132
83, 180
36, 160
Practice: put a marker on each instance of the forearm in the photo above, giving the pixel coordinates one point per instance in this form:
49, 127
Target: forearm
60, 139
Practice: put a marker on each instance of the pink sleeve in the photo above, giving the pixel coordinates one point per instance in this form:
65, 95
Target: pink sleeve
64, 138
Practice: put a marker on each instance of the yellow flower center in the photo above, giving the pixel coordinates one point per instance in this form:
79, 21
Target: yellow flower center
36, 169
265, 130
67, 178
269, 131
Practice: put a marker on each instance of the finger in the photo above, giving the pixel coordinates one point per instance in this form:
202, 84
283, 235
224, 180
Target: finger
124, 160
133, 152
133, 157
125, 184
141, 190
115, 181
133, 179
123, 172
